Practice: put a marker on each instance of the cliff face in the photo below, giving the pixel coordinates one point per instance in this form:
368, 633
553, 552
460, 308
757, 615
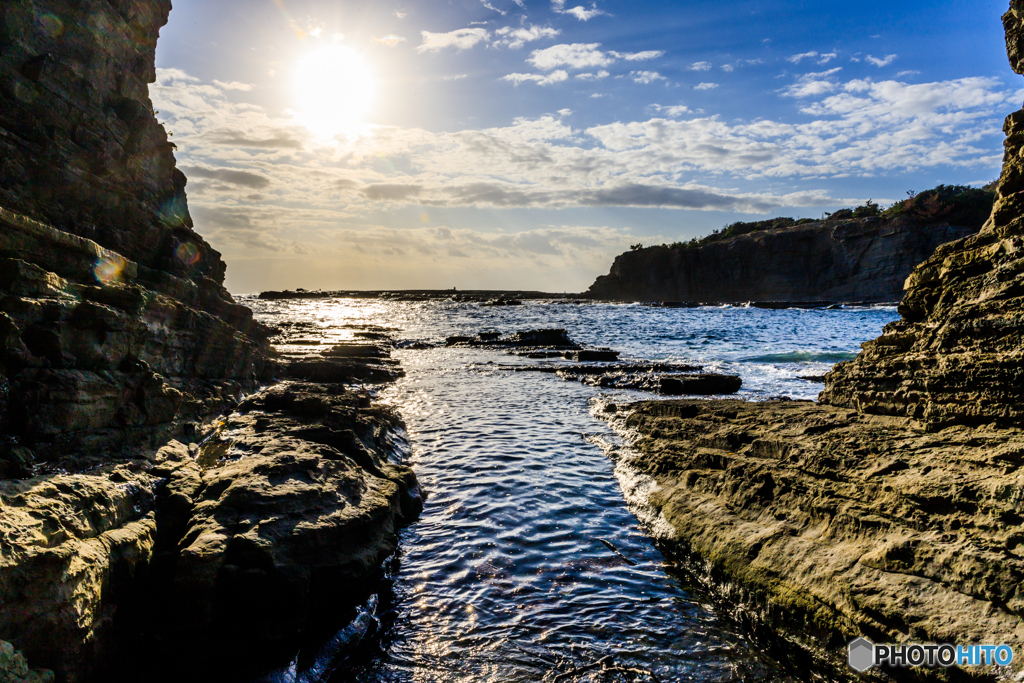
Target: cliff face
865, 259
956, 354
113, 320
122, 549
891, 509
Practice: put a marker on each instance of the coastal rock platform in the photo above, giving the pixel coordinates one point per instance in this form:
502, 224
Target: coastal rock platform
824, 523
227, 547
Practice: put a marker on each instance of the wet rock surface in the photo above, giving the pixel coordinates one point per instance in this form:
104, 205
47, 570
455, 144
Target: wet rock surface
827, 523
657, 378
226, 548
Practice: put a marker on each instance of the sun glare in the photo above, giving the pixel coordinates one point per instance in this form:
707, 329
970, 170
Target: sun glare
335, 91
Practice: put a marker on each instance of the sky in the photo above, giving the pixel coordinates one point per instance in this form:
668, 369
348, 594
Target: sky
522, 144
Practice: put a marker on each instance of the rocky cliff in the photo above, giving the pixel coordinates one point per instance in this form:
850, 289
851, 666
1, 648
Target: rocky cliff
956, 354
146, 516
892, 508
856, 259
114, 322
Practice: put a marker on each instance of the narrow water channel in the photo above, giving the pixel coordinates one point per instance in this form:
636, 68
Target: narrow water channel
526, 562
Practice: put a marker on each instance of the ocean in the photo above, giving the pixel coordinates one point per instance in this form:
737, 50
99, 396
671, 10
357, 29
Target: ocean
528, 563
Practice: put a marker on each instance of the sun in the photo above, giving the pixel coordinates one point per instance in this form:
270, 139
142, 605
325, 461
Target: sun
335, 90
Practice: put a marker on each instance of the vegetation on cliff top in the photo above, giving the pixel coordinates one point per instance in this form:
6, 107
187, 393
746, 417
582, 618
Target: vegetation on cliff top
952, 204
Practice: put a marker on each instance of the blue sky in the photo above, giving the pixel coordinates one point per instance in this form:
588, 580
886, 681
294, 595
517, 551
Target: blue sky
521, 144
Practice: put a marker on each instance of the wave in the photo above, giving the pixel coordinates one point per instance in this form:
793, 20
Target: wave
801, 357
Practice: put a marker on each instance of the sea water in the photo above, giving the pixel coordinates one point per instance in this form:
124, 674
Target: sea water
527, 563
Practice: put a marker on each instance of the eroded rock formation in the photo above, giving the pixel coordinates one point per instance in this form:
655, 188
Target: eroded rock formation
116, 335
855, 260
114, 321
892, 508
956, 354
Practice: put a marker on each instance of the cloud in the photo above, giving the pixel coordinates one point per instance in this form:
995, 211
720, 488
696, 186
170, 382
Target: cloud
565, 112
700, 66
539, 79
456, 77
796, 59
638, 56
489, 6
820, 58
389, 40
400, 14
393, 192
646, 76
580, 13
228, 175
671, 111
705, 86
593, 77
728, 67
885, 61
858, 128
233, 85
573, 56
461, 39
515, 38
813, 84
907, 73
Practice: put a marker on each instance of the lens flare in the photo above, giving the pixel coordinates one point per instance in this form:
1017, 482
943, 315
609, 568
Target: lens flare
109, 269
50, 25
187, 253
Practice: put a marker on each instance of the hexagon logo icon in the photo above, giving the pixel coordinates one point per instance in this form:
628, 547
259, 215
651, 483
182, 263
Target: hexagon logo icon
862, 655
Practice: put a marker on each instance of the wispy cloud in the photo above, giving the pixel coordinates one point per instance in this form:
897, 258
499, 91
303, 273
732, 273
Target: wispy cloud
573, 56
646, 76
515, 38
581, 13
817, 57
814, 84
389, 40
638, 56
233, 85
880, 62
585, 56
539, 79
671, 111
593, 76
700, 66
461, 39
705, 86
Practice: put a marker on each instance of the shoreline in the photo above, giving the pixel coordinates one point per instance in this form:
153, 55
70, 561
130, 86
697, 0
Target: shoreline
753, 501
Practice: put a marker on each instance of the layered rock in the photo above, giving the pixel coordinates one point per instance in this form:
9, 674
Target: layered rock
225, 549
855, 260
824, 524
114, 322
956, 354
891, 509
116, 334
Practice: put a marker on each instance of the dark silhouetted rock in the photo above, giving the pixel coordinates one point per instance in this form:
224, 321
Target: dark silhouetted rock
865, 259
